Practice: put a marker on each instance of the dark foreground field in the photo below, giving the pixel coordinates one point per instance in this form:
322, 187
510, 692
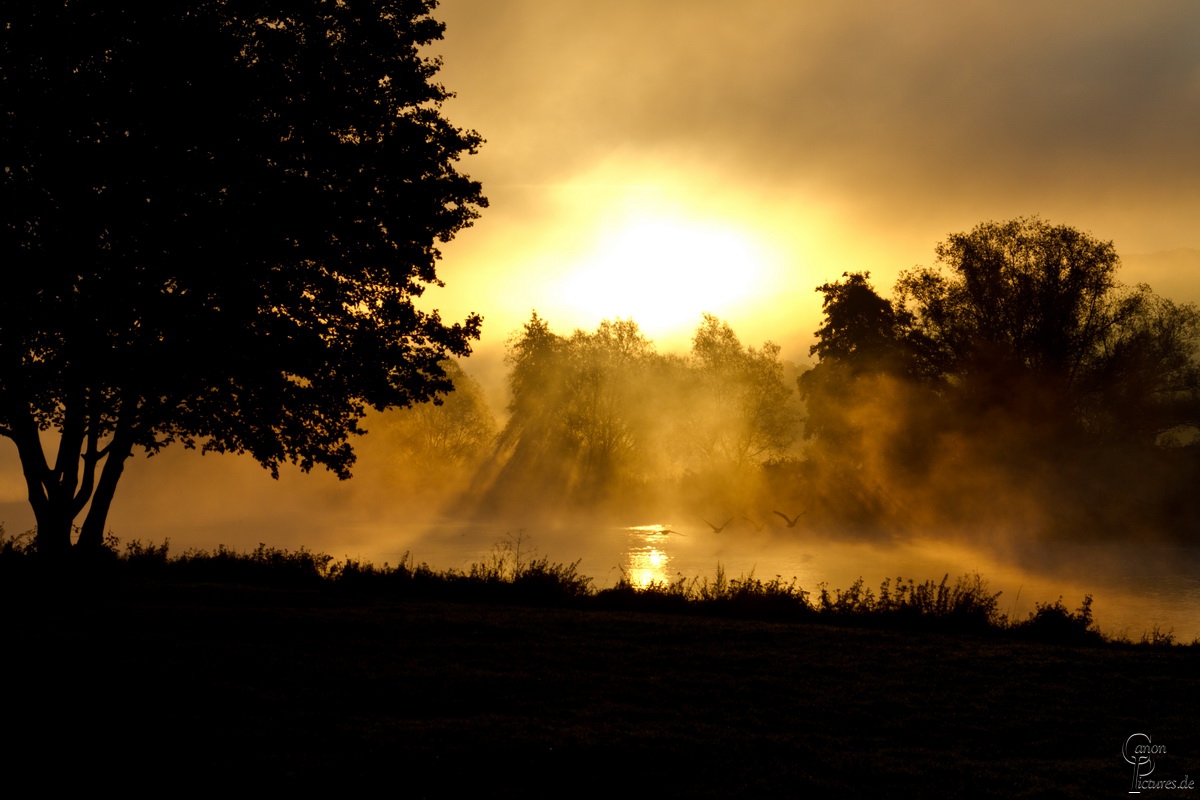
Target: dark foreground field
174, 688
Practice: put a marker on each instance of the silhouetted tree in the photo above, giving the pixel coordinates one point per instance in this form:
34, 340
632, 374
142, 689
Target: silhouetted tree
1016, 381
863, 334
601, 417
873, 372
862, 330
536, 359
1144, 385
217, 216
1028, 315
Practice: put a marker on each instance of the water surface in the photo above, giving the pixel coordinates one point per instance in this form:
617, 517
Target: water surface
1134, 588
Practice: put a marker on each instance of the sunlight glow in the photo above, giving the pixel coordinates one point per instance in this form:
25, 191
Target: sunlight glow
665, 273
647, 564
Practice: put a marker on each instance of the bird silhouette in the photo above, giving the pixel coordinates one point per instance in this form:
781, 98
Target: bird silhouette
791, 521
723, 527
758, 526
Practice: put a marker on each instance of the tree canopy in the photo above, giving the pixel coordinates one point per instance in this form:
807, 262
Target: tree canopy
1029, 307
1017, 372
745, 413
1020, 314
861, 328
601, 417
217, 218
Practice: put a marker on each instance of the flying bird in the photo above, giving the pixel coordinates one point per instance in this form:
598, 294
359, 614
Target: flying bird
723, 527
758, 526
791, 521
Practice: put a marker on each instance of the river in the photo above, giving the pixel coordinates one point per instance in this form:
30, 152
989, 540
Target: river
1134, 588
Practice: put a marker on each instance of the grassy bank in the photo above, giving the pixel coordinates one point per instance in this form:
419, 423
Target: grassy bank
274, 671
513, 574
172, 686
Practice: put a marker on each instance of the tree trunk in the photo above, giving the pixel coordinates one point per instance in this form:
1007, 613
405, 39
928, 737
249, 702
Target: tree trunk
52, 513
58, 495
91, 535
53, 529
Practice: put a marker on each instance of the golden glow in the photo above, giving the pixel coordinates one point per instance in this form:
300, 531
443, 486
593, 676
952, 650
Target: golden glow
646, 555
665, 273
647, 566
660, 245
738, 139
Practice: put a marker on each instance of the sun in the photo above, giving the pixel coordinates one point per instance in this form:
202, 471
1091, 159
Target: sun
664, 273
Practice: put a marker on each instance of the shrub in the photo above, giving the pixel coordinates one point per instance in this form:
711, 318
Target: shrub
1055, 623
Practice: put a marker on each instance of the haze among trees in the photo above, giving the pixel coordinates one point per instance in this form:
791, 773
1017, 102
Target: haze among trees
602, 420
1017, 383
426, 455
1016, 387
216, 227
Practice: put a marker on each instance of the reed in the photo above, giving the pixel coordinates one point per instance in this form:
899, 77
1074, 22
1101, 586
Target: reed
515, 574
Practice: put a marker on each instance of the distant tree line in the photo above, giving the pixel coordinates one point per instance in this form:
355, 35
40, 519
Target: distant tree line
1016, 380
1016, 387
601, 417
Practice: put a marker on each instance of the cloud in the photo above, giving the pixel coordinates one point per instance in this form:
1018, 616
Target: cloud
909, 109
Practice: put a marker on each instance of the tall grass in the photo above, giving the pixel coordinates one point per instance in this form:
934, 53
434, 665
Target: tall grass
513, 573
746, 596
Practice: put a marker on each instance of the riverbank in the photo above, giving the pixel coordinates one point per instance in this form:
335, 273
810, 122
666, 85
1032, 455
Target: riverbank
203, 683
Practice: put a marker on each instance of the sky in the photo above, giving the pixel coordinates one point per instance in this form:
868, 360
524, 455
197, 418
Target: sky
665, 158
662, 159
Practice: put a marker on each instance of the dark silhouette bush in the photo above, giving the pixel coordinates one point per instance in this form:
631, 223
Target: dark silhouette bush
1055, 623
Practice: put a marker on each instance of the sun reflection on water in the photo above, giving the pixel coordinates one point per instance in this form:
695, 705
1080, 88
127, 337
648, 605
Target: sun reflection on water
646, 558
1135, 587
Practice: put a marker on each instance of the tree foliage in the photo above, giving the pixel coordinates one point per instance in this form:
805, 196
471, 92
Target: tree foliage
599, 416
1028, 308
579, 426
1012, 378
1023, 316
744, 412
863, 334
861, 329
218, 217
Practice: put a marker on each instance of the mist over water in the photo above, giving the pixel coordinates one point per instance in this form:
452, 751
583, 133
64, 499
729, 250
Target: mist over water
1134, 588
660, 468
627, 460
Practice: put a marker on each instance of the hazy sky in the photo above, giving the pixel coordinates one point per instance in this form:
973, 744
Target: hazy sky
661, 158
